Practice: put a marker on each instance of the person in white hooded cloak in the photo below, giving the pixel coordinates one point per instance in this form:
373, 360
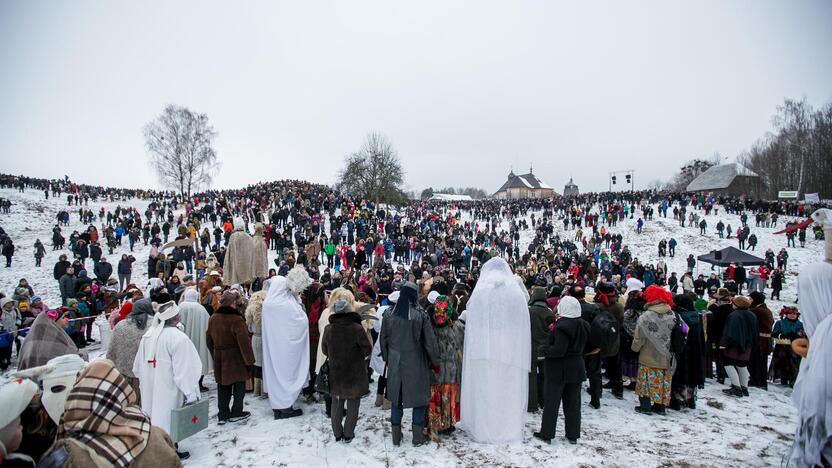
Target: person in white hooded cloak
194, 318
496, 357
285, 330
813, 389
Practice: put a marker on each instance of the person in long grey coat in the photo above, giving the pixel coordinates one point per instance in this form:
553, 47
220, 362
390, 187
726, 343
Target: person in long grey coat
408, 346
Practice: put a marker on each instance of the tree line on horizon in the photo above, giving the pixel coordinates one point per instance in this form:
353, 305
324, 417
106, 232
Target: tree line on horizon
795, 155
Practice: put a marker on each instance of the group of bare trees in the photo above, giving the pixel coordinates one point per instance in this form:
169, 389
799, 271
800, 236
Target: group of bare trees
797, 155
374, 172
473, 192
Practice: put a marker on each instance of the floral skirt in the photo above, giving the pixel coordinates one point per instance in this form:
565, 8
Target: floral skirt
443, 407
654, 383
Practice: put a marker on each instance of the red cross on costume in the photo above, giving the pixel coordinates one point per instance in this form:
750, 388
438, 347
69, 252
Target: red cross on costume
194, 419
153, 362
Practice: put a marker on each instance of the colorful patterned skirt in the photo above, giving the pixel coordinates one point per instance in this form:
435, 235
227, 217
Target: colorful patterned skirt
654, 383
443, 407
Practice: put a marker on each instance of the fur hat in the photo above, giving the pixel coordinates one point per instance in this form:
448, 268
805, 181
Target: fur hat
229, 298
741, 302
297, 280
342, 307
757, 298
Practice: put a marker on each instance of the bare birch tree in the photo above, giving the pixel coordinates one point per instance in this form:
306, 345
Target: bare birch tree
180, 145
374, 172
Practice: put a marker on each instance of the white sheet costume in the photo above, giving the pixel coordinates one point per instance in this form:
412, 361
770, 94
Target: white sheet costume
168, 367
496, 357
376, 361
285, 345
194, 318
813, 389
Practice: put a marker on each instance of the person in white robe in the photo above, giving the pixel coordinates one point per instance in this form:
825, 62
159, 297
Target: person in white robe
376, 361
168, 367
285, 330
194, 317
813, 389
496, 357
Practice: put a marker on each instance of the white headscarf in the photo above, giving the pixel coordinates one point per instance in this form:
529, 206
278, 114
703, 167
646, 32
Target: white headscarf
164, 312
813, 390
569, 307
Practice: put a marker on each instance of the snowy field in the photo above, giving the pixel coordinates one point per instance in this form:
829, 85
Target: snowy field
722, 431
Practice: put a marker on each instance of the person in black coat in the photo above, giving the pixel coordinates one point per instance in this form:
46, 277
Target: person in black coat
690, 364
540, 318
717, 315
103, 270
60, 267
564, 371
739, 338
740, 276
592, 353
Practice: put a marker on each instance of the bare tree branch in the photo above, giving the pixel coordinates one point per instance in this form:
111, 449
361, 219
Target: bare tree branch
180, 145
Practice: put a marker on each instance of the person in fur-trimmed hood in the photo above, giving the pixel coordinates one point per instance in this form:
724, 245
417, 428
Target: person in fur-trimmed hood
652, 342
347, 346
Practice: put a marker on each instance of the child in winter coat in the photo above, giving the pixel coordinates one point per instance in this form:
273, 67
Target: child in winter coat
9, 322
784, 362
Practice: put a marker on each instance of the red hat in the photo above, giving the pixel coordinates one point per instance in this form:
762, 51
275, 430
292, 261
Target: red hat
655, 293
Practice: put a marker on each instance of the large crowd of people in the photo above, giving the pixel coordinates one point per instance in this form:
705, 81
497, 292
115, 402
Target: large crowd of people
437, 303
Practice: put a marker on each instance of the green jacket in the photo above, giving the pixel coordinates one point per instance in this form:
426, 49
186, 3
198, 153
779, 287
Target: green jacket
329, 249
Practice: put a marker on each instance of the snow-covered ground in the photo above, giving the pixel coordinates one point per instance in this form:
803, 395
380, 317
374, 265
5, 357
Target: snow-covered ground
722, 431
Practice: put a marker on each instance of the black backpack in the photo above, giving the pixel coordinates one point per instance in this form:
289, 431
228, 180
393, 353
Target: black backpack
678, 339
603, 332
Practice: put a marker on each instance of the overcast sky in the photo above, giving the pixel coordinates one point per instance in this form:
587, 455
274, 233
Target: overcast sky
464, 90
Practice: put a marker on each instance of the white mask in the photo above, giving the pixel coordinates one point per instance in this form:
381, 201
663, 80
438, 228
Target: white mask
56, 388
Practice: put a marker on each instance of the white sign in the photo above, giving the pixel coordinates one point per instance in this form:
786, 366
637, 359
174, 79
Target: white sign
787, 194
811, 197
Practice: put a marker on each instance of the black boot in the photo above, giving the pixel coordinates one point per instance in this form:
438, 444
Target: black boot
538, 435
419, 436
644, 406
692, 403
734, 391
744, 391
658, 409
397, 435
287, 413
674, 404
